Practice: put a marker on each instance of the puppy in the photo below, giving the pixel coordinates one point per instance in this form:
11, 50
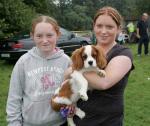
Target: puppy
86, 58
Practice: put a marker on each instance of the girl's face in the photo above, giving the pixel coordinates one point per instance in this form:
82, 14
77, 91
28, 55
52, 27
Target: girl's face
105, 29
45, 37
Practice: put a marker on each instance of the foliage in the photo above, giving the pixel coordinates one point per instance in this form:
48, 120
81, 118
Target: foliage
134, 8
143, 6
41, 6
16, 16
3, 27
78, 17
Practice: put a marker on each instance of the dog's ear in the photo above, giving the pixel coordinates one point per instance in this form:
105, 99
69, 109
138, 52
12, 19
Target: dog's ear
77, 61
100, 57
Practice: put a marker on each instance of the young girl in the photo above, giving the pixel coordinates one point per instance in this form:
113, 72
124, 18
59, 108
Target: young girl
35, 77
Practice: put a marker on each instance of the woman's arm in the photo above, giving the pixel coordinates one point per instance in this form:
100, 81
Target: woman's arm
115, 71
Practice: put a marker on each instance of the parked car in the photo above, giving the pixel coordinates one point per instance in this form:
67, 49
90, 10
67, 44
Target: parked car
12, 50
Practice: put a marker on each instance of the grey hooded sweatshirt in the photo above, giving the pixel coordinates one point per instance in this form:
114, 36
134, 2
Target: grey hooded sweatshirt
33, 82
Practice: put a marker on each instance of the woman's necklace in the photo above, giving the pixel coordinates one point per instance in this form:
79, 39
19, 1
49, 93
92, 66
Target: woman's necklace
108, 47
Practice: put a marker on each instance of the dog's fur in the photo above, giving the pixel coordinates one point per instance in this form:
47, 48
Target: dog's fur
87, 58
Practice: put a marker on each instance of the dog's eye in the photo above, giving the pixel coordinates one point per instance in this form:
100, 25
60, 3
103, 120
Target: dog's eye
94, 55
84, 56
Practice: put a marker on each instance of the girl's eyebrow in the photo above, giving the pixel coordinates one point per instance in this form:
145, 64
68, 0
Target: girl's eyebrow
50, 33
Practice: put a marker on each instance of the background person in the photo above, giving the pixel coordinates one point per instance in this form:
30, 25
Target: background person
35, 77
121, 38
131, 31
105, 106
142, 34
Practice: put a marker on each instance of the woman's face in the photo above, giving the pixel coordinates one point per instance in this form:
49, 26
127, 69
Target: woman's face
45, 37
105, 29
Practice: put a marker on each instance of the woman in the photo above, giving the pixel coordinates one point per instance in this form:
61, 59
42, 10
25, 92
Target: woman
105, 104
35, 77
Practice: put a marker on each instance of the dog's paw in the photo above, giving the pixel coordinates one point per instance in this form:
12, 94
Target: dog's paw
102, 73
70, 122
83, 96
82, 115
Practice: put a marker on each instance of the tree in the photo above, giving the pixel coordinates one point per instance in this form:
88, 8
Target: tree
143, 6
45, 7
16, 15
3, 27
77, 19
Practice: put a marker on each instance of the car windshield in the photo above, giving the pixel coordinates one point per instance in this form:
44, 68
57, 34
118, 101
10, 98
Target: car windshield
64, 32
65, 35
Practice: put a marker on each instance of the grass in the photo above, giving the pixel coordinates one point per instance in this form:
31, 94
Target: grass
5, 73
137, 93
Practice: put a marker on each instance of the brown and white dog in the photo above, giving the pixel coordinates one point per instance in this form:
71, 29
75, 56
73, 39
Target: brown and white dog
86, 58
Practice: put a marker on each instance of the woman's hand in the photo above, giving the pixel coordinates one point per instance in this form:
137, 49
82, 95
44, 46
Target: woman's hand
68, 111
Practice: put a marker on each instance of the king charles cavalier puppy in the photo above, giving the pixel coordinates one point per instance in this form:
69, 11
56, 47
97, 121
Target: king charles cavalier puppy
86, 58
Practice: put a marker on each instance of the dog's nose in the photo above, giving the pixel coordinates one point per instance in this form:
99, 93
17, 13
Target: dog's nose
90, 63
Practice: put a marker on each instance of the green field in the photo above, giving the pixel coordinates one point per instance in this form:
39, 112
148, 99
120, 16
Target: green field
137, 93
5, 73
